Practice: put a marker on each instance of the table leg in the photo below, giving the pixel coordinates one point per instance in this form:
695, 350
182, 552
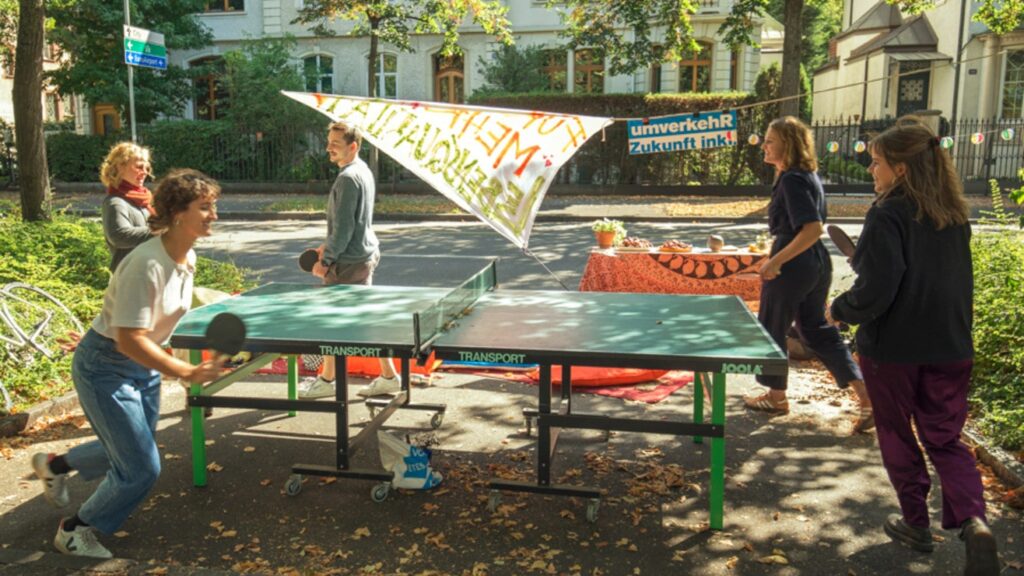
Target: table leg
293, 380
717, 492
198, 432
543, 428
341, 416
698, 402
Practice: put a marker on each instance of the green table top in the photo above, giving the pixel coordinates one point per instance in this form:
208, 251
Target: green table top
715, 333
696, 332
300, 318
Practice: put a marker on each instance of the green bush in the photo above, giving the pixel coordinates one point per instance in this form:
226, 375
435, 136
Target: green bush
997, 386
68, 258
843, 169
76, 157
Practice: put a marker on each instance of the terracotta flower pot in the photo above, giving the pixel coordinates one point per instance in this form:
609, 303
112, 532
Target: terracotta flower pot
605, 239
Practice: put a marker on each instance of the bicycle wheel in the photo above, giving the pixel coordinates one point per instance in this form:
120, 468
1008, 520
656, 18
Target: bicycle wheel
37, 317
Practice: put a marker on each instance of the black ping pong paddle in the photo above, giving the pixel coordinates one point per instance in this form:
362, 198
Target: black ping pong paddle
308, 259
841, 240
225, 334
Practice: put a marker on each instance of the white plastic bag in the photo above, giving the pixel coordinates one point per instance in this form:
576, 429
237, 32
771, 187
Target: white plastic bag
410, 464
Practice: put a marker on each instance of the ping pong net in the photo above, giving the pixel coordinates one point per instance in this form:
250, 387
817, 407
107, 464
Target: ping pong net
445, 312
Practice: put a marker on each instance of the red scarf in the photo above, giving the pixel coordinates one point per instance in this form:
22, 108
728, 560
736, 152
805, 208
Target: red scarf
139, 196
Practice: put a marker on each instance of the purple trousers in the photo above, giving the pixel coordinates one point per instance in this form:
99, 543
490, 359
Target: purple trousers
934, 398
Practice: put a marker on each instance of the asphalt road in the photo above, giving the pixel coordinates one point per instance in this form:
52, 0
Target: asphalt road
438, 253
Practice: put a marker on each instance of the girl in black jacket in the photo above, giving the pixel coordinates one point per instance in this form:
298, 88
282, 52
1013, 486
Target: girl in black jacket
912, 300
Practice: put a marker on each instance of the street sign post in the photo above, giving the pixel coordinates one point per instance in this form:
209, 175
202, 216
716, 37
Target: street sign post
144, 48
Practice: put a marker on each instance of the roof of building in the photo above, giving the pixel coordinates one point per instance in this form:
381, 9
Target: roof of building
914, 35
880, 16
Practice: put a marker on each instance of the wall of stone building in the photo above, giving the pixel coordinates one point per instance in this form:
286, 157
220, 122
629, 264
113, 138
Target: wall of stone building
531, 21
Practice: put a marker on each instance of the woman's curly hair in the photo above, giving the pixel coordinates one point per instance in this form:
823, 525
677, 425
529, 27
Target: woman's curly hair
176, 191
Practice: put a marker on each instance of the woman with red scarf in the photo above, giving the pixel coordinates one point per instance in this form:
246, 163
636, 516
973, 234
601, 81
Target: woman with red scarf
128, 205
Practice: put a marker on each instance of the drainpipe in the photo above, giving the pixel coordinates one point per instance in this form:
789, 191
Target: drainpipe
864, 90
956, 73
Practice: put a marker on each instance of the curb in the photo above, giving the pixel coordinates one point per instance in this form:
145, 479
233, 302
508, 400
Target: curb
15, 424
30, 562
1005, 465
319, 216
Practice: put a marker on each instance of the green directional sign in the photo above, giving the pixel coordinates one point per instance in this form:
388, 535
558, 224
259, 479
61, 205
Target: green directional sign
144, 48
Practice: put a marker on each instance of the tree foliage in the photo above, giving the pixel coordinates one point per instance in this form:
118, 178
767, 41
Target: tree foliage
89, 32
820, 21
254, 75
631, 35
1001, 16
8, 30
395, 21
514, 70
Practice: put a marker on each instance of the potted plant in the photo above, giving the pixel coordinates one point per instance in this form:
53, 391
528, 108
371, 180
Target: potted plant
608, 232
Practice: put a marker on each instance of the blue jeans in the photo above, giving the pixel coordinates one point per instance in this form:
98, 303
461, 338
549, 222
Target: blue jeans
121, 399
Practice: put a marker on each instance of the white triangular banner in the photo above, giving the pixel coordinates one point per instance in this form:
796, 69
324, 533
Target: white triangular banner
495, 163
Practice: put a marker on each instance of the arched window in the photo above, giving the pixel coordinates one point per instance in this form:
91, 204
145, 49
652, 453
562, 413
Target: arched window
319, 72
588, 72
387, 76
1013, 85
211, 95
695, 70
449, 79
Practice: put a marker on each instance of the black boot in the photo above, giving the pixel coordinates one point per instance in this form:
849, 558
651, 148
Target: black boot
982, 558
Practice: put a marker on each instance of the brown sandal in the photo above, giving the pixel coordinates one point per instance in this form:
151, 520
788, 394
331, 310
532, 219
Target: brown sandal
764, 403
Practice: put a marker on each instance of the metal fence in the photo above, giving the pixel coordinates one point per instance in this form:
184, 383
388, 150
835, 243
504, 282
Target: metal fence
982, 149
297, 154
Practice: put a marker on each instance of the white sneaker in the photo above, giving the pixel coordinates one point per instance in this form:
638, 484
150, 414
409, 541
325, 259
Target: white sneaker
381, 385
316, 388
80, 542
55, 486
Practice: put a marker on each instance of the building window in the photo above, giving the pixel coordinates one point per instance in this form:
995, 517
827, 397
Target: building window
387, 76
1013, 85
211, 96
449, 79
588, 72
225, 6
51, 107
49, 52
695, 70
319, 72
556, 70
67, 107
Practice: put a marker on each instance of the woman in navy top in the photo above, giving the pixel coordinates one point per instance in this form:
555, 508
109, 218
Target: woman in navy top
912, 301
797, 276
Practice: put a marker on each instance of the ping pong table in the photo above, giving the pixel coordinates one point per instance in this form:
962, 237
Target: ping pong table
710, 335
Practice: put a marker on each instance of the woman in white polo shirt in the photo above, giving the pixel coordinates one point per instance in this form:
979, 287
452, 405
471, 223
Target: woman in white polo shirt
117, 366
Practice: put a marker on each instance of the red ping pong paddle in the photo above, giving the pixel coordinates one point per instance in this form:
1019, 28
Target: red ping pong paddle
308, 259
225, 334
841, 240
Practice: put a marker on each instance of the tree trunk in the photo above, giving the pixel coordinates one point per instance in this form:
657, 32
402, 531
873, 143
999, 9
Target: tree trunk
34, 180
373, 92
791, 58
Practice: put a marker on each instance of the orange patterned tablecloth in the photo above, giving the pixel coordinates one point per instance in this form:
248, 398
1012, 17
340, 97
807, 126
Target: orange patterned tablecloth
699, 272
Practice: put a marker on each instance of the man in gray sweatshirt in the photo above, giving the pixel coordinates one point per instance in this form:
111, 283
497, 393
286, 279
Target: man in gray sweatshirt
351, 252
